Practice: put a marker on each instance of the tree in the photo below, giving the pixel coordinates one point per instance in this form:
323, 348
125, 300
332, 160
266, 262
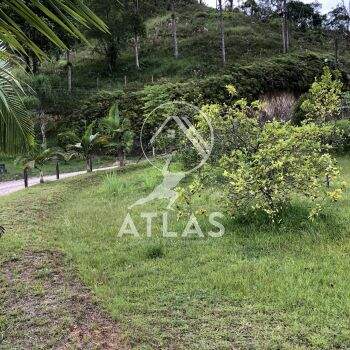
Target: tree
15, 128
124, 22
338, 22
251, 8
36, 158
263, 167
86, 146
16, 131
42, 87
117, 133
284, 161
304, 15
66, 14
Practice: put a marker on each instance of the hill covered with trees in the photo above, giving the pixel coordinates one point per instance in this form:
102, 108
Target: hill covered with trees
186, 50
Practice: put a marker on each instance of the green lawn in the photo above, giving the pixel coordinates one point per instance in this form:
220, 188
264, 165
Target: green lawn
258, 287
15, 170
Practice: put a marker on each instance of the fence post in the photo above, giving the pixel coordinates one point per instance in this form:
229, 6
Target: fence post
25, 177
57, 170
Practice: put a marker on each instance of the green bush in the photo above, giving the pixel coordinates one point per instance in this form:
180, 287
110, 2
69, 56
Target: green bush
264, 167
344, 127
282, 163
324, 100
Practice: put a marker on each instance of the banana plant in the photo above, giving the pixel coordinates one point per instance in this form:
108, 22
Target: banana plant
118, 138
86, 147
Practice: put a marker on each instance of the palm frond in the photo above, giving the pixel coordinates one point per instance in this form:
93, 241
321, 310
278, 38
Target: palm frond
16, 131
65, 13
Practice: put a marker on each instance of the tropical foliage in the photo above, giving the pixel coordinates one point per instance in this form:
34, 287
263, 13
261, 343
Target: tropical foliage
118, 137
86, 146
36, 159
15, 126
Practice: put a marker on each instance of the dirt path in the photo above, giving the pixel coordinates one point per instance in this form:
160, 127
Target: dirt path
45, 306
8, 187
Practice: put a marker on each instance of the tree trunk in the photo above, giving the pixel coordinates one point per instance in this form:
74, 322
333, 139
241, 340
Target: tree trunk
41, 177
137, 39
174, 30
69, 71
222, 33
336, 51
57, 170
25, 177
137, 60
112, 54
35, 65
89, 164
231, 5
43, 130
285, 30
121, 159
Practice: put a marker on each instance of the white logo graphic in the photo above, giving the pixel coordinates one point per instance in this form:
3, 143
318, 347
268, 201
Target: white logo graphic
175, 115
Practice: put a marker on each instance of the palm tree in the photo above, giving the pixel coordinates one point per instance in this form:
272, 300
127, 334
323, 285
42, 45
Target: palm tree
118, 138
36, 158
15, 125
87, 145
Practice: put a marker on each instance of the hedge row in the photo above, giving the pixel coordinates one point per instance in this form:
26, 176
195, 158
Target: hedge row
294, 72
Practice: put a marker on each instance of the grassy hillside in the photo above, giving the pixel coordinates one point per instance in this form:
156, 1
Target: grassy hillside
259, 286
248, 40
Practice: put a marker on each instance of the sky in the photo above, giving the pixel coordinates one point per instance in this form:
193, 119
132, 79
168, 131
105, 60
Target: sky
327, 5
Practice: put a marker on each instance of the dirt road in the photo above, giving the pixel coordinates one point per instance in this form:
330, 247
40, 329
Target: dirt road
8, 187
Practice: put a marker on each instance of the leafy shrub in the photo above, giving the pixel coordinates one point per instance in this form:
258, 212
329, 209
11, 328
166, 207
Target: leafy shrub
264, 166
344, 127
298, 114
229, 132
325, 97
284, 161
67, 138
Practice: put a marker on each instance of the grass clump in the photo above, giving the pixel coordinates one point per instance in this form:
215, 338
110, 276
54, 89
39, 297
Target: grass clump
154, 251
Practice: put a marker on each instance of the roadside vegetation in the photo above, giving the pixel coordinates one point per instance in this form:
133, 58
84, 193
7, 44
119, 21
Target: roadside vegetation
242, 111
260, 285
